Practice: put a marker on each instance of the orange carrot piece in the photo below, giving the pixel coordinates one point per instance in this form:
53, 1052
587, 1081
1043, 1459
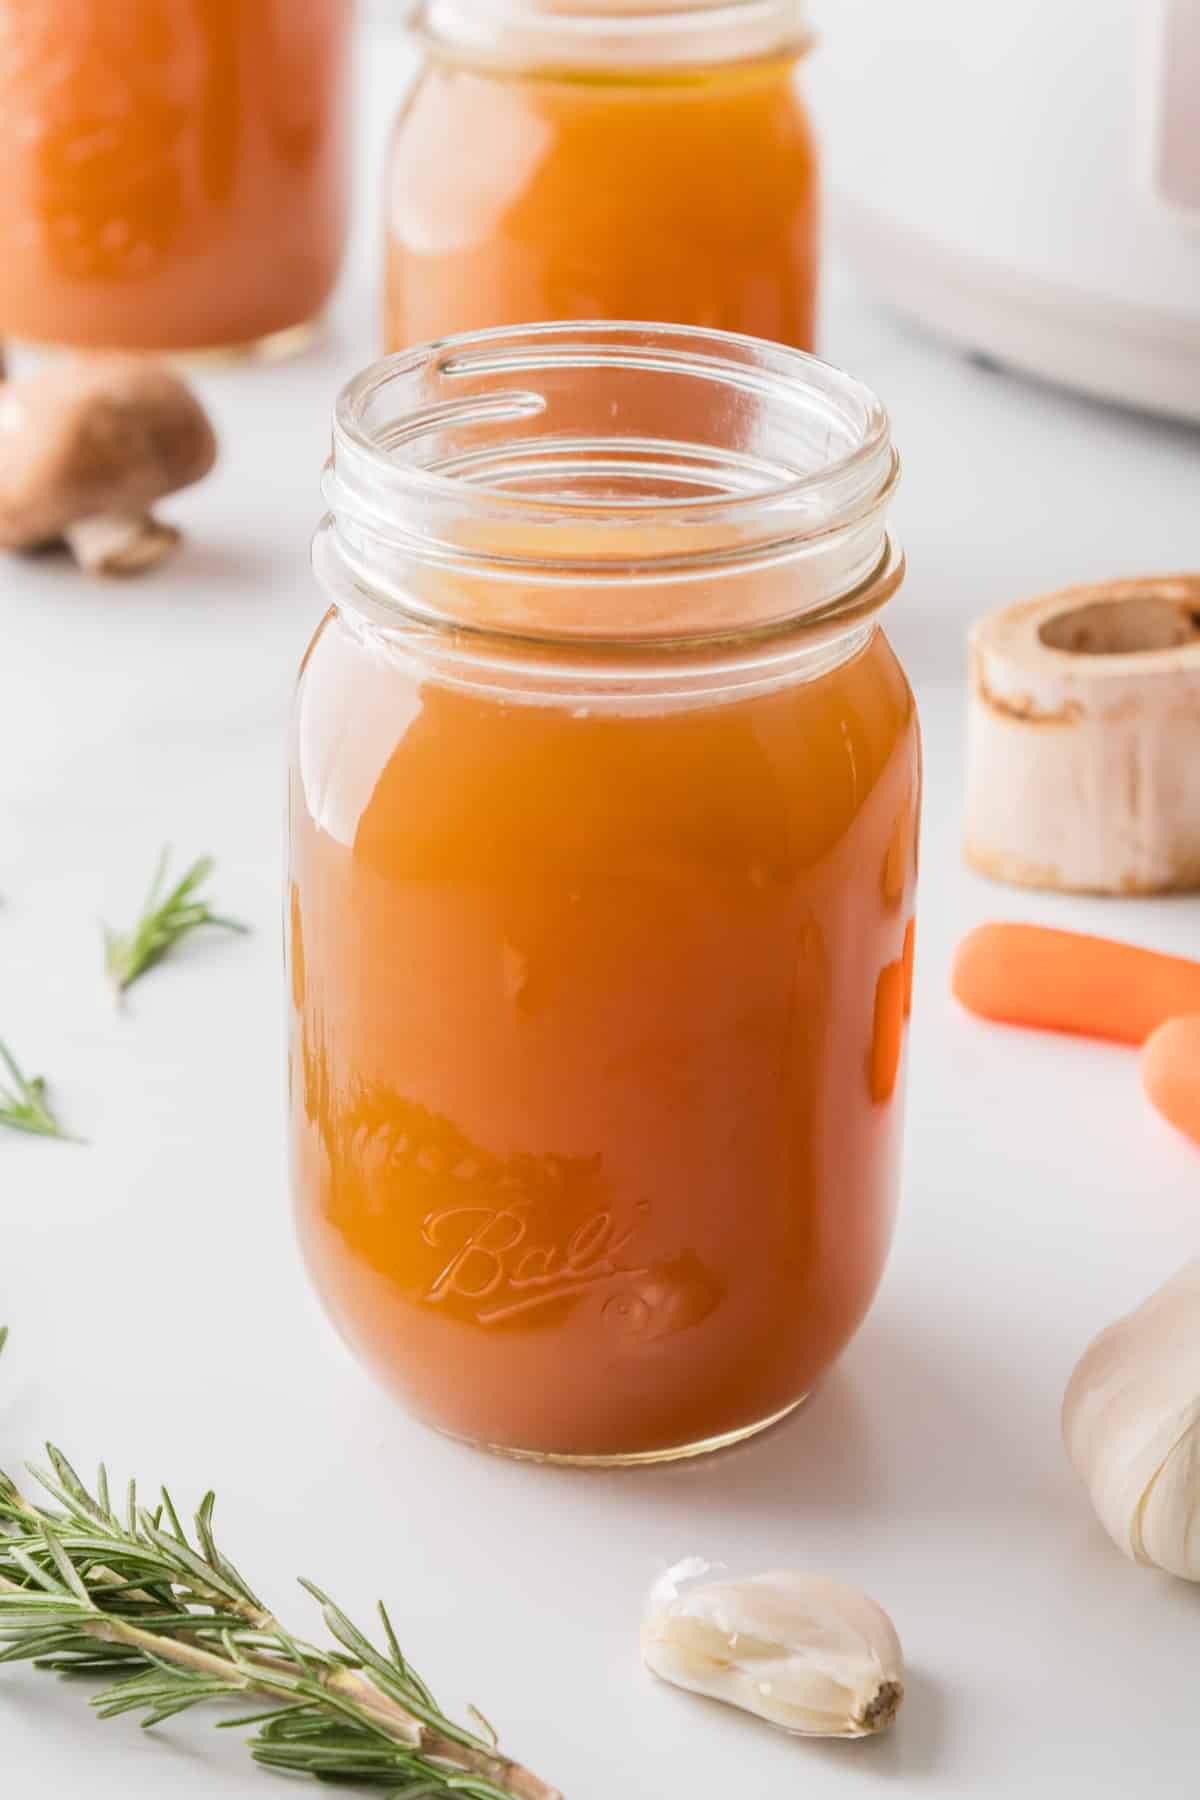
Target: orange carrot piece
887, 1039
1065, 981
1171, 1072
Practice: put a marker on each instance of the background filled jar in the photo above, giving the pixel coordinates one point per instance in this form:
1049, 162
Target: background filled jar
572, 159
604, 805
175, 171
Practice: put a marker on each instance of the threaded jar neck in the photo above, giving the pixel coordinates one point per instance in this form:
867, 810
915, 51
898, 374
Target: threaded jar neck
617, 34
609, 484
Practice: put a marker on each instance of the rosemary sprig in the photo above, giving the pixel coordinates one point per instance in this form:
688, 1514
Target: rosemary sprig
85, 1590
165, 920
23, 1106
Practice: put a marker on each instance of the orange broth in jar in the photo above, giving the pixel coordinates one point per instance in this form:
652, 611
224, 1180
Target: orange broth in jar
600, 941
580, 163
175, 171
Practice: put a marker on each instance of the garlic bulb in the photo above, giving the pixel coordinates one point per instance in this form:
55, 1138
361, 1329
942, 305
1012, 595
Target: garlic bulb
798, 1650
1131, 1424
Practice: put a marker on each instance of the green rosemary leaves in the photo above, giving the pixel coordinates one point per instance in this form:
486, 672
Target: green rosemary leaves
166, 919
23, 1103
171, 1624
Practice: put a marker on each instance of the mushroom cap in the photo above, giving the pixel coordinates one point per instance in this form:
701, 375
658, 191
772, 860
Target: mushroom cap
95, 434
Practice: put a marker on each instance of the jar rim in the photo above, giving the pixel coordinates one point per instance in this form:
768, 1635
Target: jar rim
617, 33
467, 454
575, 344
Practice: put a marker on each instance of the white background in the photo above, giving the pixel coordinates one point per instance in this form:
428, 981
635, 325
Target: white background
160, 1318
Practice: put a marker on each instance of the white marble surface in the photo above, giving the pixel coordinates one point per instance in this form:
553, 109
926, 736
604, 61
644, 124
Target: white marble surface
158, 1311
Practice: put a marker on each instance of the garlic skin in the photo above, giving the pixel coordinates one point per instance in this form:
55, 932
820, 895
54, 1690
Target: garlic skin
1131, 1425
801, 1651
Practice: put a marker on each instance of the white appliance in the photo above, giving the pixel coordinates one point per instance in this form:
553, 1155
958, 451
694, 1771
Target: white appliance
1024, 178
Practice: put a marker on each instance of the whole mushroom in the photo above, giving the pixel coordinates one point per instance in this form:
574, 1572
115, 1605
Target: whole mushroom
87, 447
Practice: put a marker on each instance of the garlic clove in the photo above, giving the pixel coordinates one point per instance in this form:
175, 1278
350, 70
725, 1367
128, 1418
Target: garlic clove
1131, 1425
1168, 1529
801, 1651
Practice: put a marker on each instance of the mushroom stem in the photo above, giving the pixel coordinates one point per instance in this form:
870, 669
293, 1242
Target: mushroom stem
119, 543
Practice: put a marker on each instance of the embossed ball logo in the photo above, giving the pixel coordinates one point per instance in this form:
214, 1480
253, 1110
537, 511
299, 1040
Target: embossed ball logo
494, 1261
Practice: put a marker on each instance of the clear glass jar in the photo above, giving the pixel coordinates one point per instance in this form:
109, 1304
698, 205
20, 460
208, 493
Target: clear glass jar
603, 817
585, 159
175, 171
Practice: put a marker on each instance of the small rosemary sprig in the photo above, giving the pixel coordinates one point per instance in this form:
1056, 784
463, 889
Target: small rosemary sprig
165, 919
23, 1105
87, 1591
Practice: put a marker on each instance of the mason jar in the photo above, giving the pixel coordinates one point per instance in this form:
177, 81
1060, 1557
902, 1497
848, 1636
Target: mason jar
175, 176
604, 801
604, 159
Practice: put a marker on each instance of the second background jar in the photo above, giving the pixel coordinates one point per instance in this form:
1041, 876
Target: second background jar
176, 172
564, 159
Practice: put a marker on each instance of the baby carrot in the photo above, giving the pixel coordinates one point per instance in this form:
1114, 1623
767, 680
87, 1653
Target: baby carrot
1171, 1072
1065, 981
888, 1037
